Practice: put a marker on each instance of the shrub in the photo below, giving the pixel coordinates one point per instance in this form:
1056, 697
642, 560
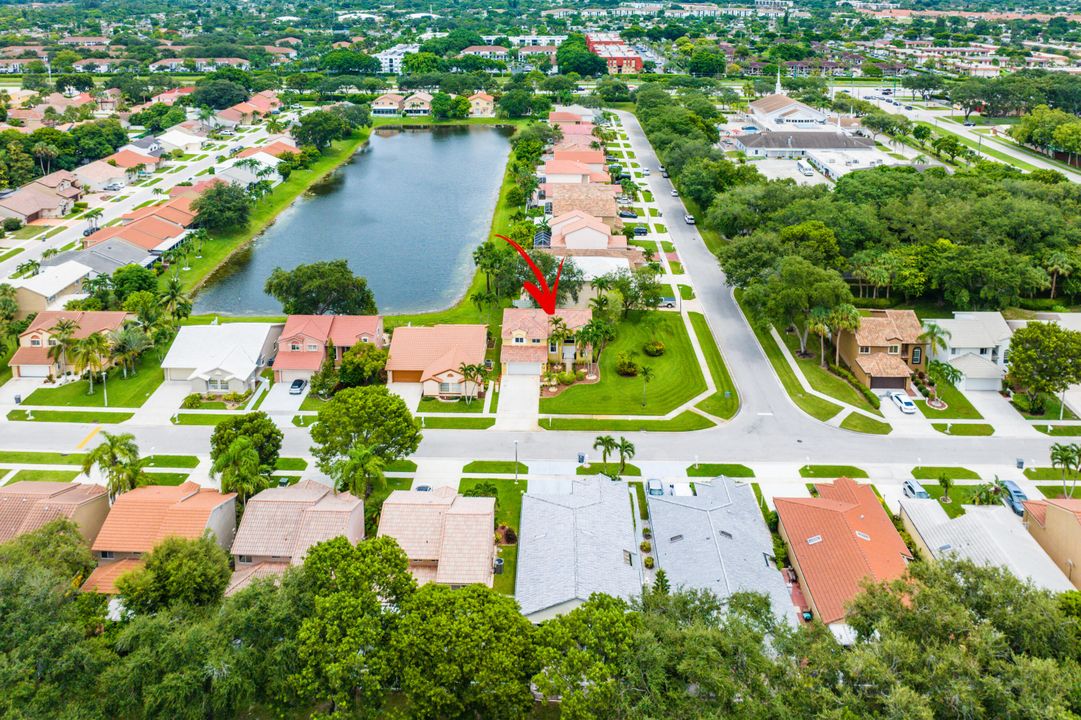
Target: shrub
848, 377
579, 374
510, 537
653, 348
772, 521
625, 366
647, 533
12, 224
566, 378
648, 562
645, 546
780, 552
192, 402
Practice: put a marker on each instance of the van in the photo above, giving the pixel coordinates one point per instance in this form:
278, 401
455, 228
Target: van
805, 168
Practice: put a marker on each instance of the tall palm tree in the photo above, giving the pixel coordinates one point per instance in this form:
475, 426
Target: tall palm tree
599, 304
819, 323
358, 471
240, 470
607, 445
941, 372
935, 336
174, 300
558, 332
842, 318
63, 332
626, 452
1057, 263
117, 458
468, 373
646, 371
126, 345
90, 355
486, 257
1068, 458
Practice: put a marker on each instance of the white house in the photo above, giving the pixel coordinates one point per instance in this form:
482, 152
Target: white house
179, 140
778, 111
977, 345
221, 358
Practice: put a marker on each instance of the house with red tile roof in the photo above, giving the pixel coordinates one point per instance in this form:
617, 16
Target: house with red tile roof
152, 233
433, 355
578, 230
569, 171
143, 517
419, 103
562, 116
31, 359
388, 104
584, 129
177, 210
481, 104
836, 542
885, 350
274, 149
132, 161
27, 505
528, 344
1056, 526
303, 345
448, 538
593, 159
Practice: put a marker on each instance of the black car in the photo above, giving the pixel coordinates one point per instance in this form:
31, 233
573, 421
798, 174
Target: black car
628, 214
641, 230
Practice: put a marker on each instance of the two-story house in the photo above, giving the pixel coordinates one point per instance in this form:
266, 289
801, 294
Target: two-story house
528, 342
481, 104
388, 104
419, 103
302, 347
885, 350
32, 359
976, 344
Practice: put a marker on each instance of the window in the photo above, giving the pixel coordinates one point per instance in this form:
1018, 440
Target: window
243, 558
865, 350
627, 557
364, 339
862, 535
985, 351
52, 342
894, 349
917, 355
312, 347
217, 384
536, 341
295, 347
814, 539
552, 347
106, 554
35, 342
519, 340
447, 388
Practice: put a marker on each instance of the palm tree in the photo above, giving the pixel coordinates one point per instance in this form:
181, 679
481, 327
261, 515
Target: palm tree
358, 471
626, 452
174, 300
89, 355
558, 332
599, 304
602, 285
989, 493
598, 333
117, 458
1057, 263
945, 482
941, 372
935, 336
240, 470
606, 444
63, 332
819, 323
468, 373
205, 115
843, 318
45, 153
647, 377
486, 258
126, 345
1067, 457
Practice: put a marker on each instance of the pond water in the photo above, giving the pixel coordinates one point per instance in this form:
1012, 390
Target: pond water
406, 212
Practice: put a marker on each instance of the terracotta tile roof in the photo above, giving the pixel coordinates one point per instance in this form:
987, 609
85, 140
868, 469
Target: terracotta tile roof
454, 532
561, 116
129, 159
574, 142
88, 321
143, 517
27, 355
839, 539
149, 233
523, 353
299, 360
583, 129
245, 576
481, 95
889, 327
880, 364
342, 330
433, 350
276, 148
103, 579
536, 323
596, 199
177, 211
566, 167
591, 157
772, 103
25, 506
389, 99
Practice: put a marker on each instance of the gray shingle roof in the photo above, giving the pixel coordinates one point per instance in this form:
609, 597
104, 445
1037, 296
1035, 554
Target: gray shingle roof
104, 258
571, 546
717, 540
824, 140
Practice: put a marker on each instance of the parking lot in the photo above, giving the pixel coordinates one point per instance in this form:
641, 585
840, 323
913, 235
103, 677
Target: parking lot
779, 168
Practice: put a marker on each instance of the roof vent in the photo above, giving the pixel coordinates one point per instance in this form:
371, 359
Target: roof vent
944, 548
725, 533
862, 535
675, 538
814, 539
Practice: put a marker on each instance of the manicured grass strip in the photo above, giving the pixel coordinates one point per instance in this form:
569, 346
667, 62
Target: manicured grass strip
71, 416
958, 406
172, 461
401, 466
684, 422
984, 148
28, 231
453, 423
960, 495
298, 420
40, 458
44, 476
686, 292
1052, 408
312, 402
508, 512
288, 463
717, 469
167, 478
129, 392
832, 471
1060, 430
965, 429
932, 472
1048, 473
863, 424
677, 268
610, 468
640, 493
1055, 491
813, 405
431, 405
200, 419
495, 466
821, 379
716, 404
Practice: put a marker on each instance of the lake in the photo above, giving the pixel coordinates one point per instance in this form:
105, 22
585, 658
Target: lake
406, 211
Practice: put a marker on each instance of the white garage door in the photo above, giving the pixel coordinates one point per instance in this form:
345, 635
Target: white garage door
981, 384
523, 368
33, 371
289, 376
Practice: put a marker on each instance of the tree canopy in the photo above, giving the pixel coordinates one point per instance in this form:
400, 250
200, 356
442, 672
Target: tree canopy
327, 287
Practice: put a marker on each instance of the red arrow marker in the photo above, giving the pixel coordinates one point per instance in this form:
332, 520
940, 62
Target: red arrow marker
545, 298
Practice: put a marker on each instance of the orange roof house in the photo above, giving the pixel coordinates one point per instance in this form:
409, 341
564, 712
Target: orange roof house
596, 199
448, 538
593, 158
886, 349
432, 356
152, 233
276, 148
177, 211
25, 506
837, 541
304, 340
563, 171
527, 332
578, 230
143, 517
31, 359
561, 116
129, 159
1056, 525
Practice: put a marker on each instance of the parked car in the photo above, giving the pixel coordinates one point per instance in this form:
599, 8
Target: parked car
660, 168
908, 107
297, 386
624, 199
424, 488
668, 302
902, 402
113, 187
645, 171
689, 219
628, 214
664, 173
1014, 497
641, 230
913, 489
654, 487
675, 193
969, 123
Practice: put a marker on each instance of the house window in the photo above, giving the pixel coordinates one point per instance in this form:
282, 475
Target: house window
243, 558
865, 350
985, 351
312, 347
364, 339
295, 347
893, 349
35, 342
552, 347
519, 341
106, 554
52, 342
917, 355
217, 384
447, 388
627, 557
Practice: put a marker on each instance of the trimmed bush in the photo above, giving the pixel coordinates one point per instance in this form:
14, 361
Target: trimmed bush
848, 377
645, 546
625, 366
653, 348
192, 402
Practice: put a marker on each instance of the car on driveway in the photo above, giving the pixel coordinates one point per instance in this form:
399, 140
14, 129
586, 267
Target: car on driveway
913, 489
1014, 497
628, 214
654, 487
689, 219
668, 302
297, 386
902, 402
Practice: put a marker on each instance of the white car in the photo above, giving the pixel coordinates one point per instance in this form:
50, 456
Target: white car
675, 193
689, 219
902, 402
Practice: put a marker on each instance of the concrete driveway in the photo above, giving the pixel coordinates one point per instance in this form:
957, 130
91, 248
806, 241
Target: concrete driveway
19, 386
519, 402
278, 399
410, 392
163, 403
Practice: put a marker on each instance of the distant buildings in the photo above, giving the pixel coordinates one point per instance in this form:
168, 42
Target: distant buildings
620, 57
390, 60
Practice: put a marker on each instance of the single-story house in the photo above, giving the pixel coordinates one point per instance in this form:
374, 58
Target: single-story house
31, 359
573, 545
987, 535
432, 355
481, 104
143, 517
885, 350
717, 540
448, 538
302, 346
174, 139
593, 159
527, 340
134, 163
277, 148
977, 345
51, 287
578, 230
152, 233
27, 505
568, 171
104, 258
34, 202
221, 358
280, 524
95, 176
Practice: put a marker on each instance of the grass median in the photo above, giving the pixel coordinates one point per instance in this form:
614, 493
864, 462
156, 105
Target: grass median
725, 402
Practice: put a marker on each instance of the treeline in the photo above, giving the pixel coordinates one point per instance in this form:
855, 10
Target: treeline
24, 157
1018, 92
349, 634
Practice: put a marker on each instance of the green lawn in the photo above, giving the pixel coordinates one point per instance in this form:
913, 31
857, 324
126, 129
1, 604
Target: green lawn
1047, 473
288, 463
1051, 409
965, 429
931, 472
29, 231
172, 461
863, 424
608, 468
44, 476
813, 405
495, 466
129, 392
716, 469
40, 458
686, 292
677, 375
200, 418
508, 511
659, 227
958, 406
453, 423
432, 405
822, 379
677, 268
832, 471
401, 466
167, 478
960, 495
72, 416
1056, 491
684, 422
716, 404
312, 402
5, 369
987, 148
1060, 430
